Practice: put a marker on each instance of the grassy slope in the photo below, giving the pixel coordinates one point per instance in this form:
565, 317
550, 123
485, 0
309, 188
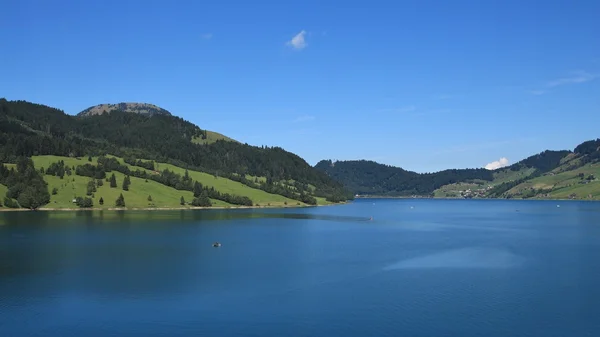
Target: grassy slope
500, 177
224, 185
507, 175
452, 190
163, 196
212, 137
137, 196
3, 190
565, 183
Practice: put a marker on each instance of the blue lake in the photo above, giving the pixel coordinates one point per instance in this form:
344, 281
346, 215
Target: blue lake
418, 268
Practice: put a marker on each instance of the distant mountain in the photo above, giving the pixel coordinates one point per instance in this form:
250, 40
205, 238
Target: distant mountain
371, 178
140, 108
549, 174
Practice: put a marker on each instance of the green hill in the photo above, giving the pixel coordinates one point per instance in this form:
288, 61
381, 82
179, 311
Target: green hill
184, 155
549, 174
70, 187
142, 193
370, 178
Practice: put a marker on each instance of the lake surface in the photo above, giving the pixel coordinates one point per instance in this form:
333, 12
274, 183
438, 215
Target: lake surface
419, 268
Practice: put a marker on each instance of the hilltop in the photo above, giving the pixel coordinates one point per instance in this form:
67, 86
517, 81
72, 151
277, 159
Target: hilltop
141, 108
162, 148
205, 136
549, 174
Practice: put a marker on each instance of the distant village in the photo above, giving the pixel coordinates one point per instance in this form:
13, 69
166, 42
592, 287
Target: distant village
475, 193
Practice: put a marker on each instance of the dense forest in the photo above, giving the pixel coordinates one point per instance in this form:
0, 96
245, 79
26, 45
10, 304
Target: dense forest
26, 186
543, 162
28, 129
371, 178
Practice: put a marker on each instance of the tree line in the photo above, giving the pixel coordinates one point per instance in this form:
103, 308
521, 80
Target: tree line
26, 186
165, 177
29, 129
371, 178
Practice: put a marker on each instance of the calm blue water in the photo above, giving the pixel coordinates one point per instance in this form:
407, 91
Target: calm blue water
419, 268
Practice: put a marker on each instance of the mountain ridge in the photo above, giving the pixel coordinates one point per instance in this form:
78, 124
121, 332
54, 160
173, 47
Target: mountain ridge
133, 107
30, 129
546, 174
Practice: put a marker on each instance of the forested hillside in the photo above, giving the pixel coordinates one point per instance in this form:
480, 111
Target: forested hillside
28, 129
371, 178
547, 174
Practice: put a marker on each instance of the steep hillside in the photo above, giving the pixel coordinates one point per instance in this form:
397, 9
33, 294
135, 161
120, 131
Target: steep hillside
210, 137
573, 177
28, 129
162, 195
141, 108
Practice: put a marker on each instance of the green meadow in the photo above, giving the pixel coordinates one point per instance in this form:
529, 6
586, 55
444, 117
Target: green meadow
162, 196
566, 183
211, 137
3, 190
225, 185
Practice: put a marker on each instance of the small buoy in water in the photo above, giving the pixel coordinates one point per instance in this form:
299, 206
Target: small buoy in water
411, 207
216, 244
557, 205
371, 219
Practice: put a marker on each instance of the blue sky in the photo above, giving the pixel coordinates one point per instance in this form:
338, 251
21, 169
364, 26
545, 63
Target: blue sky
425, 85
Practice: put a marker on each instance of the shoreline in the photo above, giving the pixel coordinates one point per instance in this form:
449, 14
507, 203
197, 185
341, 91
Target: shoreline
76, 209
449, 198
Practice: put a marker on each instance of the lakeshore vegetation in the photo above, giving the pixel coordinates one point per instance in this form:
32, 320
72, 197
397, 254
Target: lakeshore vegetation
546, 175
139, 156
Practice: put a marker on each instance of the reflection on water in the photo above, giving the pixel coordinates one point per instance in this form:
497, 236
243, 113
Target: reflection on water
130, 252
64, 217
471, 257
476, 268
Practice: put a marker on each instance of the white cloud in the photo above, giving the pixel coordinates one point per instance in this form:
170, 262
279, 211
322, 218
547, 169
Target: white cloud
298, 42
502, 162
304, 118
575, 78
206, 36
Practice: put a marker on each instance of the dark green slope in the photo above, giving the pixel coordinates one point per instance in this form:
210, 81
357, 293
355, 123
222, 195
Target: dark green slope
371, 178
28, 129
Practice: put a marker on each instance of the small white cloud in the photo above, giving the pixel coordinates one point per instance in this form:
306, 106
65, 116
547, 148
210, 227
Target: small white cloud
502, 162
305, 118
298, 42
206, 36
575, 78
